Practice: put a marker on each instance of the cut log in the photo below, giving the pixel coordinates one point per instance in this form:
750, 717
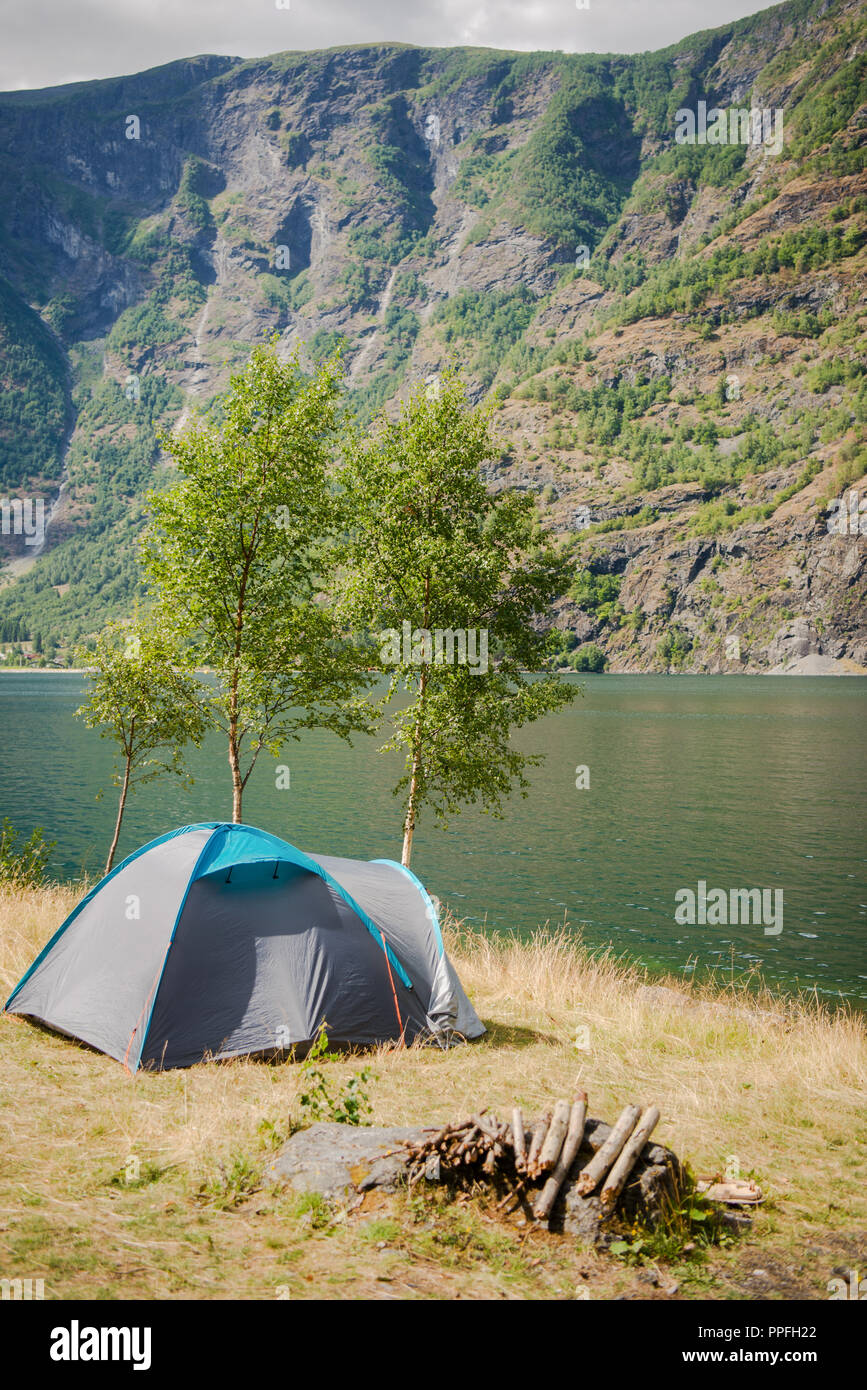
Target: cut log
605, 1156
571, 1144
628, 1156
467, 1140
433, 1168
490, 1127
518, 1140
451, 1130
540, 1129
550, 1151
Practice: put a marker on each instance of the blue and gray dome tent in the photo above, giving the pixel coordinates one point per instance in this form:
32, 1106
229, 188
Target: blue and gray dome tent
220, 940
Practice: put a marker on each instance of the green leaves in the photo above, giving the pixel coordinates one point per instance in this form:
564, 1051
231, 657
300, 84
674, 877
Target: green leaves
350, 1106
429, 546
141, 700
263, 563
23, 863
241, 554
145, 703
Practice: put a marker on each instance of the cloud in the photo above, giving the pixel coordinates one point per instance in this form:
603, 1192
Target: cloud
48, 42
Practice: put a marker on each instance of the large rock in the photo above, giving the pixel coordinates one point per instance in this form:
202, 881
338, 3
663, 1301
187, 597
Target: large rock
339, 1160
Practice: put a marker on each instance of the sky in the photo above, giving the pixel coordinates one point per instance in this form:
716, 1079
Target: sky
49, 42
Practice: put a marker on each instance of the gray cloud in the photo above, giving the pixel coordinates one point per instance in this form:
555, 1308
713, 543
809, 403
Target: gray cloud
46, 42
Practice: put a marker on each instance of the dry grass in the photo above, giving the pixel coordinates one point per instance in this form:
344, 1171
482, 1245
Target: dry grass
777, 1084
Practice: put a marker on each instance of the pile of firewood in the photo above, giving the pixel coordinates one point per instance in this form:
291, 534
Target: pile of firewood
543, 1155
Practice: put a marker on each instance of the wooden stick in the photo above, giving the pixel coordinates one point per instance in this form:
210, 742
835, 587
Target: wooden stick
605, 1156
467, 1141
519, 1141
433, 1168
550, 1150
572, 1143
515, 1192
540, 1129
448, 1130
629, 1154
488, 1127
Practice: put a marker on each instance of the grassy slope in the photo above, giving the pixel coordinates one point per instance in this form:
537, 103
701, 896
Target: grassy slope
777, 1084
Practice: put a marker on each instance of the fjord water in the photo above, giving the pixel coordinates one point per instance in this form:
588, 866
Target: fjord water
740, 781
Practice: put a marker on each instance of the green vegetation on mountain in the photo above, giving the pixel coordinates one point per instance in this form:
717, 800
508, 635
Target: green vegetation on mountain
158, 320
683, 286
33, 406
486, 324
192, 195
93, 575
671, 335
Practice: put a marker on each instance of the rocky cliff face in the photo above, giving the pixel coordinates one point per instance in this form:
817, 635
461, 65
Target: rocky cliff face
672, 333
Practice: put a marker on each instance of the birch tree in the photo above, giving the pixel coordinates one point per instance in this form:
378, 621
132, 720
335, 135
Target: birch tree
142, 700
450, 579
239, 554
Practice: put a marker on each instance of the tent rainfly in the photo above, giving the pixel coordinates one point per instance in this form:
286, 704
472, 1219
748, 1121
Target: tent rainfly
219, 940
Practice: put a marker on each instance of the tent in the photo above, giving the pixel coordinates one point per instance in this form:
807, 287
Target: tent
219, 940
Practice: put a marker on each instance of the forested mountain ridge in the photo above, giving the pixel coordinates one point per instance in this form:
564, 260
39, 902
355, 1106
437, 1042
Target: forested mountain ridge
673, 333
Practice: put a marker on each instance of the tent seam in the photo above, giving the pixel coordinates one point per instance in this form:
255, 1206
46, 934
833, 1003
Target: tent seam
218, 827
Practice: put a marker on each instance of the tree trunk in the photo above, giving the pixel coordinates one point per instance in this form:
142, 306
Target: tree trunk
415, 777
237, 784
234, 751
234, 758
409, 823
123, 791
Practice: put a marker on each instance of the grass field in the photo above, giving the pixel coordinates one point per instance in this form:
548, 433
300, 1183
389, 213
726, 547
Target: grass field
778, 1084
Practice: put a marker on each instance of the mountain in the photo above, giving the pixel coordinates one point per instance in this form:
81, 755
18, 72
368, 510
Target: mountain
672, 332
